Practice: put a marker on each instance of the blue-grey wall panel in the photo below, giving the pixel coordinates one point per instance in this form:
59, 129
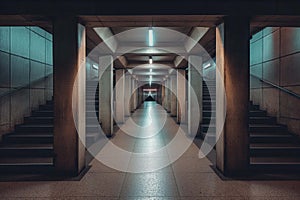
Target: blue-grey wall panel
37, 47
37, 71
4, 70
4, 38
49, 57
20, 41
19, 71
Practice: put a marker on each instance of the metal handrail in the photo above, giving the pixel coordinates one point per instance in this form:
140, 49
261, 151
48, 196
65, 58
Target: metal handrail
24, 86
278, 87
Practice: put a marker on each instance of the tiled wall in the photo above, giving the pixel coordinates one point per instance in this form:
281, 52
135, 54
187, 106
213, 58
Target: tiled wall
25, 60
275, 57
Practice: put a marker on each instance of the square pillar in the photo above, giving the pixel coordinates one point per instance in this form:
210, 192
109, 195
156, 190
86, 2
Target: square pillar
132, 96
173, 80
120, 99
181, 96
127, 96
69, 46
195, 84
168, 95
232, 56
162, 95
106, 94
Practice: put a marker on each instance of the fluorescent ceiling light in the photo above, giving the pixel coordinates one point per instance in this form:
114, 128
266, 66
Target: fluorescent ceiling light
150, 70
95, 66
207, 65
150, 35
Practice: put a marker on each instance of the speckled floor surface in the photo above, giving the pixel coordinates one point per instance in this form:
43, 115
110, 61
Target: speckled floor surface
187, 178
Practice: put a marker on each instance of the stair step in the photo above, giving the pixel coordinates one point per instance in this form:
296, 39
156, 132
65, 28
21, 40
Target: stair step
262, 120
272, 164
206, 120
253, 107
92, 113
271, 138
46, 107
26, 150
274, 150
266, 128
41, 128
257, 113
28, 138
209, 113
43, 113
38, 120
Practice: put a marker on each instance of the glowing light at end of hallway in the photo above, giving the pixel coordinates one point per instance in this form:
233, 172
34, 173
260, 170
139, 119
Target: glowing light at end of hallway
150, 80
150, 60
150, 35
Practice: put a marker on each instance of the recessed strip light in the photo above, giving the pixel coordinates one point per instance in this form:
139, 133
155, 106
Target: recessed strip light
150, 35
207, 66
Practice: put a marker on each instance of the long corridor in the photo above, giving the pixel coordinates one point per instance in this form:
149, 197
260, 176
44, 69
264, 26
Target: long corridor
187, 178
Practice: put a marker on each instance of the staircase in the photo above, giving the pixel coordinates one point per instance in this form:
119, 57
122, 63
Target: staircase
30, 147
208, 126
272, 147
93, 131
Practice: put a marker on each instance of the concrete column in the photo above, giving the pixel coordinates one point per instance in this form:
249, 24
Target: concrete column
120, 99
140, 96
173, 84
168, 92
135, 94
181, 96
69, 57
195, 83
162, 95
232, 55
127, 95
106, 94
132, 98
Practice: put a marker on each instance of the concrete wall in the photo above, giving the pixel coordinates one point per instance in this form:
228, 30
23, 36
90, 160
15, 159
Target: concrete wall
25, 61
275, 57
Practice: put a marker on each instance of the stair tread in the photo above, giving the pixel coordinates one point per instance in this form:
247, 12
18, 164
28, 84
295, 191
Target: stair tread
26, 161
26, 146
266, 125
274, 145
269, 135
274, 160
36, 125
30, 135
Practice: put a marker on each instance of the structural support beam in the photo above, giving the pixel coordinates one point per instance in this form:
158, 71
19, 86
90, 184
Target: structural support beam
127, 96
132, 94
173, 79
181, 96
106, 94
120, 99
168, 95
232, 55
195, 84
69, 90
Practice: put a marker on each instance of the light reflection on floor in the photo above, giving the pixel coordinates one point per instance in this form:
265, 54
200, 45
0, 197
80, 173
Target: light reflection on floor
187, 178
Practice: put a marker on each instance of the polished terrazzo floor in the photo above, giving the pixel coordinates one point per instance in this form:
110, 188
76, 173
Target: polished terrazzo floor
187, 178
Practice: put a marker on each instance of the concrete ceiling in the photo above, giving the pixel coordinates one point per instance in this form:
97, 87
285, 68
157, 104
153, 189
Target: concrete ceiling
184, 24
